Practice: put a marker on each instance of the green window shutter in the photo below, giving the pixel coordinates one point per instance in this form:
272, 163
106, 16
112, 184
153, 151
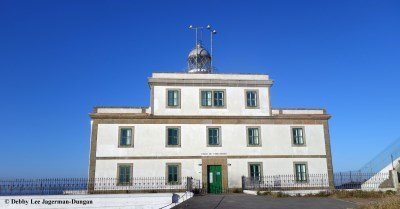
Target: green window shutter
255, 171
173, 173
253, 136
126, 137
301, 172
124, 174
173, 136
218, 98
251, 98
298, 136
213, 136
173, 98
206, 97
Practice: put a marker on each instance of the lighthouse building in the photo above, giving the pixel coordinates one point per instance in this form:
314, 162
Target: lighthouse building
210, 126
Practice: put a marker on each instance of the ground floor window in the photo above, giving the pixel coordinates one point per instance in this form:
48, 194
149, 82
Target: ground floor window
301, 172
173, 173
255, 171
124, 174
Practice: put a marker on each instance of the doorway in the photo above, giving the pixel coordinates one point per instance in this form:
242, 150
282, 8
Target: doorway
214, 179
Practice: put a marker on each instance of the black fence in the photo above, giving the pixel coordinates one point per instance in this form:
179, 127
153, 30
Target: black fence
65, 186
59, 186
346, 180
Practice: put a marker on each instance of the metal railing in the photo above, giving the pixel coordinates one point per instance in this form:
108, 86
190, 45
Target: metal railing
346, 180
57, 186
385, 158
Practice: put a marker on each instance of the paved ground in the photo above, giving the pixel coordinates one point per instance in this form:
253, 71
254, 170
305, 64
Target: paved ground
239, 201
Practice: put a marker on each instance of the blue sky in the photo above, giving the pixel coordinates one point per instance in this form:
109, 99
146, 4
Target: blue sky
58, 59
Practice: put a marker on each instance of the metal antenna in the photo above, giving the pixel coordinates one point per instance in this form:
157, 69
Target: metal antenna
197, 32
197, 39
212, 32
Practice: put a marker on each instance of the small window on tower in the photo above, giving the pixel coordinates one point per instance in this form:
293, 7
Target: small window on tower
173, 98
212, 98
251, 99
206, 98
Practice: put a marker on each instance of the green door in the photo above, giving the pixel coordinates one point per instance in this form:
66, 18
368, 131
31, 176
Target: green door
214, 179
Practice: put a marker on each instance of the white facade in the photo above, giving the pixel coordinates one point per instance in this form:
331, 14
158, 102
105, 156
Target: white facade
149, 154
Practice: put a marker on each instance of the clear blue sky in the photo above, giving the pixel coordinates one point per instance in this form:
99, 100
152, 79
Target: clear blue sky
58, 59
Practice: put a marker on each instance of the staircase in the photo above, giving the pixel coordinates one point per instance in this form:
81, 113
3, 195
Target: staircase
385, 161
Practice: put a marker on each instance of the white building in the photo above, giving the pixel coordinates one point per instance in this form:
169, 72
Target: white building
212, 127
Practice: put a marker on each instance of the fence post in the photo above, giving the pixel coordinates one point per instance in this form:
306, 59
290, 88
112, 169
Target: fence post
395, 179
243, 183
189, 184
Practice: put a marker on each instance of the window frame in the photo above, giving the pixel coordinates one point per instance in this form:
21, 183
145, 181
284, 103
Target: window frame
120, 135
306, 172
249, 164
293, 137
212, 106
179, 136
257, 99
119, 183
179, 176
248, 136
178, 106
219, 136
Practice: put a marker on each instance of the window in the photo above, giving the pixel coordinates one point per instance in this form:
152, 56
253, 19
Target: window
301, 172
173, 136
298, 136
218, 98
206, 98
213, 136
253, 136
173, 98
255, 171
251, 99
212, 98
124, 174
126, 137
173, 173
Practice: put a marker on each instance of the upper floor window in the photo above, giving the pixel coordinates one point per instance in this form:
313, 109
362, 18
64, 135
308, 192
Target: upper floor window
298, 136
213, 135
218, 98
173, 173
206, 98
255, 171
173, 98
251, 99
301, 172
173, 136
126, 137
253, 136
212, 98
124, 174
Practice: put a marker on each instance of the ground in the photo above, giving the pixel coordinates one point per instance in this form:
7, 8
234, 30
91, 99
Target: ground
239, 201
